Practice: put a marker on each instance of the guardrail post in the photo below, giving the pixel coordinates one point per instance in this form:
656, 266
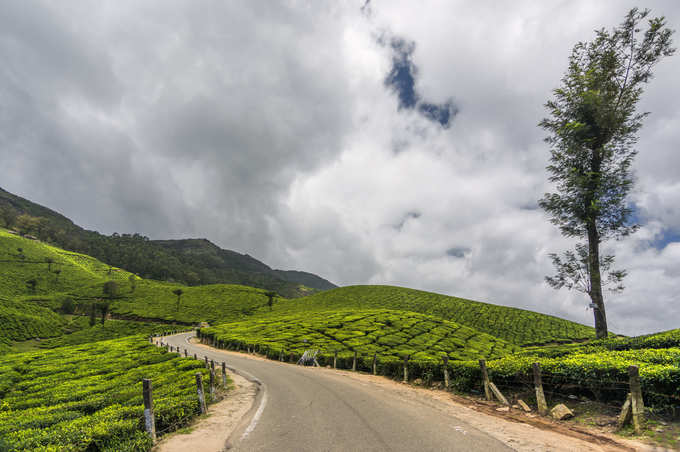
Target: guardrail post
538, 386
201, 395
446, 371
149, 420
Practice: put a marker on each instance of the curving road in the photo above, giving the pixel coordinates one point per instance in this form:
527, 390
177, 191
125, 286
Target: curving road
314, 409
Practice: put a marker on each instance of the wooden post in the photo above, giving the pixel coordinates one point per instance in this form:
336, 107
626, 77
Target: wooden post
335, 360
446, 372
499, 395
625, 415
185, 353
354, 361
406, 368
195, 357
485, 379
538, 386
212, 365
149, 420
212, 383
224, 375
207, 366
637, 405
375, 364
201, 395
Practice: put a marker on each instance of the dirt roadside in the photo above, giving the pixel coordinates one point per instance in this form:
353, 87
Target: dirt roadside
210, 434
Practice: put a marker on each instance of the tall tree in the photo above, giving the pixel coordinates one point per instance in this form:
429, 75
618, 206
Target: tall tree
270, 298
592, 124
110, 289
179, 293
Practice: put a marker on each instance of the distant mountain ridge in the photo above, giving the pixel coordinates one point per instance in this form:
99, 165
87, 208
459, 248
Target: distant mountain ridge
191, 261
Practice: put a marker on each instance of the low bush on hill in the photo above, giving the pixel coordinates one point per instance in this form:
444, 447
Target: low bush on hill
389, 334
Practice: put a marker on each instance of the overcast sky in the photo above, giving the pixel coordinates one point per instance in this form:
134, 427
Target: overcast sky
394, 143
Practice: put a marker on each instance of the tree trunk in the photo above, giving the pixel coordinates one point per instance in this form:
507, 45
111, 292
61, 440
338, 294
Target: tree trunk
596, 282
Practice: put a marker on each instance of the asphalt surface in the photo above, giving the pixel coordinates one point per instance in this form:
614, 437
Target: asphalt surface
311, 409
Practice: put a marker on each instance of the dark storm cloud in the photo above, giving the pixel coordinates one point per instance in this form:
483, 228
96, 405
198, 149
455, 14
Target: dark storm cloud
402, 80
458, 251
169, 120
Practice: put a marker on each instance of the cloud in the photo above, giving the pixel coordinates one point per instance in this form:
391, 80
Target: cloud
394, 144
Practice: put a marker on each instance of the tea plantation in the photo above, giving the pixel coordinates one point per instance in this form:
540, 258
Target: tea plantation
89, 397
389, 334
518, 326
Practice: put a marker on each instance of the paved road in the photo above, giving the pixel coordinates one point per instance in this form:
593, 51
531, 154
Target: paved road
311, 409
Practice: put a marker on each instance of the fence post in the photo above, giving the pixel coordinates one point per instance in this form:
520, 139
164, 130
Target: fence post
212, 365
446, 372
185, 353
224, 374
637, 405
538, 386
201, 395
485, 379
375, 364
195, 357
335, 360
625, 415
212, 383
207, 366
354, 361
149, 420
406, 357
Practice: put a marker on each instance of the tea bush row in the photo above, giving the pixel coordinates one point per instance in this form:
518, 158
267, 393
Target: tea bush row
89, 397
515, 325
384, 332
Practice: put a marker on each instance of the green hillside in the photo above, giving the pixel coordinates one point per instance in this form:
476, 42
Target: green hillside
22, 321
191, 261
62, 274
390, 334
89, 397
517, 326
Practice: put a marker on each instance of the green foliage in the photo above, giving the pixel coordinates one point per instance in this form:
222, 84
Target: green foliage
390, 334
21, 321
89, 397
68, 306
517, 326
593, 124
78, 331
111, 288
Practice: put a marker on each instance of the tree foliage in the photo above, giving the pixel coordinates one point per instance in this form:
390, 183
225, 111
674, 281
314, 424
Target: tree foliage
573, 271
592, 124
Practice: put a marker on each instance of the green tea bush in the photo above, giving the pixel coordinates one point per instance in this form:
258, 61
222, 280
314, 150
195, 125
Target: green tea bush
389, 334
89, 397
514, 325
